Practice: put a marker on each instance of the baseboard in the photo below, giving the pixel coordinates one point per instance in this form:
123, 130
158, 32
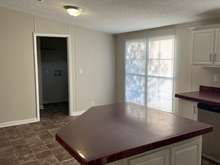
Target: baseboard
211, 158
18, 122
78, 113
55, 102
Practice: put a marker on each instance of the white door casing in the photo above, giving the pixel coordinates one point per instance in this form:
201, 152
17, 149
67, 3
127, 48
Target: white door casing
72, 101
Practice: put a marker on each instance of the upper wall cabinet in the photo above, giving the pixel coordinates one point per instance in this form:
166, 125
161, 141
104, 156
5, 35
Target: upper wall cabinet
203, 46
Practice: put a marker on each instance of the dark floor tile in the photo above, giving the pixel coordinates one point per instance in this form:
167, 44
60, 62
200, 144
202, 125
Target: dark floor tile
4, 143
61, 154
47, 124
32, 140
24, 154
39, 147
7, 154
18, 143
51, 160
53, 145
23, 128
53, 131
8, 129
3, 136
32, 163
2, 130
25, 131
70, 162
9, 161
13, 134
44, 154
37, 127
45, 135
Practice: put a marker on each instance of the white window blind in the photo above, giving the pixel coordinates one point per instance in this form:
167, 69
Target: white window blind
149, 76
160, 73
135, 69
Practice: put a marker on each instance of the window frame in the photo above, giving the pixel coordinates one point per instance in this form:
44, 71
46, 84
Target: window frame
146, 76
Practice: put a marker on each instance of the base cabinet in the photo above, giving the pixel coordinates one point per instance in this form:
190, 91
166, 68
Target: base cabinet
188, 109
187, 152
158, 158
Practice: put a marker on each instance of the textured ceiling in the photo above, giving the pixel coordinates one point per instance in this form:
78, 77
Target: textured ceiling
117, 16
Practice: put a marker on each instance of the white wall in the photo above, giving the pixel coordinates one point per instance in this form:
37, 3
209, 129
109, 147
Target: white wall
97, 83
92, 51
204, 76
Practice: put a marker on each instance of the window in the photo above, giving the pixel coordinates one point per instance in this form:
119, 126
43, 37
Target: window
160, 73
135, 62
151, 84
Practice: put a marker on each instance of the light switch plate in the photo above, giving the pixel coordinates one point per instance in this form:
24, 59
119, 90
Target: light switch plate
81, 71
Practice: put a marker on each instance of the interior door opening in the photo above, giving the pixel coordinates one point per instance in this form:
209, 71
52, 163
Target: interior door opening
52, 73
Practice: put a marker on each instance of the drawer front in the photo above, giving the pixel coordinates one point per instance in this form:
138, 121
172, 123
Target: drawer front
158, 158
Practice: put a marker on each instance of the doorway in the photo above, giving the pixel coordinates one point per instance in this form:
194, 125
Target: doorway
52, 71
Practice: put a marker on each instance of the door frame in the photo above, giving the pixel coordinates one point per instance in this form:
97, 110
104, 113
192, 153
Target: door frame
70, 71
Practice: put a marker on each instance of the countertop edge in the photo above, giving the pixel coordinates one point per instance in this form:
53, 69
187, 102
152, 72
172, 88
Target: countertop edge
134, 151
70, 150
195, 99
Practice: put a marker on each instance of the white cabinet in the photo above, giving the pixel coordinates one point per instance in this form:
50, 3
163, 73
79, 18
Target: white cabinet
187, 154
206, 47
217, 47
188, 109
203, 46
157, 158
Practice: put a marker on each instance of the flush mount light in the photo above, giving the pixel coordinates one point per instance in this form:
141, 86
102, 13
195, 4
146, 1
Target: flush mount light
73, 10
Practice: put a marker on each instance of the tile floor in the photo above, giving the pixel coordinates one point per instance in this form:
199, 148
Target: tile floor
34, 144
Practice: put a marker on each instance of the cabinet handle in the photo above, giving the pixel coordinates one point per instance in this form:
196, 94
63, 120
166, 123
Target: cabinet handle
194, 109
214, 57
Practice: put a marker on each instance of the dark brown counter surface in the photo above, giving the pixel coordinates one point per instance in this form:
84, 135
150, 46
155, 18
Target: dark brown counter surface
207, 95
112, 132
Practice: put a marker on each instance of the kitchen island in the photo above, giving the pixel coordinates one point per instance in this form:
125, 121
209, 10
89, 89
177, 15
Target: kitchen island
125, 133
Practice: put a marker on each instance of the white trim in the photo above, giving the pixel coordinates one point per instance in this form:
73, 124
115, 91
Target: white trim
70, 70
163, 37
18, 122
78, 113
51, 35
36, 78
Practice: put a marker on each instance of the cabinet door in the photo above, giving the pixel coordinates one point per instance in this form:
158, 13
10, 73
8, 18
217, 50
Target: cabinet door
188, 109
157, 158
203, 46
217, 47
187, 154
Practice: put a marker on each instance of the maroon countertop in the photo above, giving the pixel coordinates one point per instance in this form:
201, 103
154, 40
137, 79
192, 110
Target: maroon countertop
108, 133
208, 95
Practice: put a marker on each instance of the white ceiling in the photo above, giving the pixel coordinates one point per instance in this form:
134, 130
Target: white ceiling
117, 16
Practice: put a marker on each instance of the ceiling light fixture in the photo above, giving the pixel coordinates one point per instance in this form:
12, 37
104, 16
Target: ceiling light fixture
73, 10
